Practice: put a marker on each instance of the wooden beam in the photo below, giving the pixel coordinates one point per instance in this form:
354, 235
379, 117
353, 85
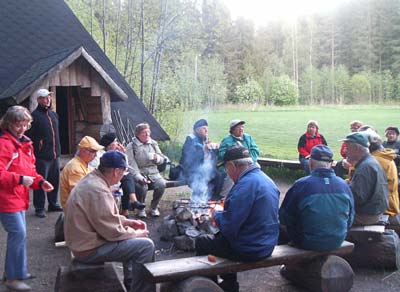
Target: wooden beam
280, 163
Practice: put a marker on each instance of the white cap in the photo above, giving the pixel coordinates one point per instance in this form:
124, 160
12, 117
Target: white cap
42, 92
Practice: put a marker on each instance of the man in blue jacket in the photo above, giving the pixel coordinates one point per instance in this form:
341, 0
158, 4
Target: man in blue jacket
248, 224
318, 209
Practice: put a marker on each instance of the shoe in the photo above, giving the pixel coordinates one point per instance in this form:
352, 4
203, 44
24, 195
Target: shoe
142, 213
17, 285
155, 212
40, 214
56, 208
136, 205
27, 277
229, 286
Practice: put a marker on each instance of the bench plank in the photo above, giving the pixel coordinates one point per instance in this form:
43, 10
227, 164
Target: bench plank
291, 164
178, 269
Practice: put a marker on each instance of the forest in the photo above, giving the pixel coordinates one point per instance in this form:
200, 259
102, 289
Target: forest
182, 55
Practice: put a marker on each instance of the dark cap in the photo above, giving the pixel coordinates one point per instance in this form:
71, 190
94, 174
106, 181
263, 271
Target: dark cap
234, 153
321, 153
392, 128
114, 159
360, 138
200, 123
107, 139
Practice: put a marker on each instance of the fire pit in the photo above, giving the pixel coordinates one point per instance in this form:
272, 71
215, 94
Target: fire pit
189, 220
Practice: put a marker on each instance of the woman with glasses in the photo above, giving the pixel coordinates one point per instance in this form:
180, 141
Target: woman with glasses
17, 175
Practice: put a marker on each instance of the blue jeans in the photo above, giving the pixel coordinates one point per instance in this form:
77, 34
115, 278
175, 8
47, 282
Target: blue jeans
132, 253
306, 165
16, 259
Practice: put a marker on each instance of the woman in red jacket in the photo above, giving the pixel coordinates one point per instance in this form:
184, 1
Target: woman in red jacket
17, 175
307, 141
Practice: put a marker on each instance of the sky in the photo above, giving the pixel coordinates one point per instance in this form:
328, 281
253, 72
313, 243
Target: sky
262, 11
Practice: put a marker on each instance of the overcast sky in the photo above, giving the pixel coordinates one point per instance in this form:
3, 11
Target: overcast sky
261, 11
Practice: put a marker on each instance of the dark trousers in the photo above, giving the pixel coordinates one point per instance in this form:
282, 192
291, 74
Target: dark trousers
50, 170
128, 187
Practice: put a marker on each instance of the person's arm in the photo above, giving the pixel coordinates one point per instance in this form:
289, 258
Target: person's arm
287, 209
160, 158
253, 149
301, 146
323, 140
222, 149
360, 186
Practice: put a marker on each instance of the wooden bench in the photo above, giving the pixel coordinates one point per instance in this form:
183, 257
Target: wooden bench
375, 247
332, 270
280, 163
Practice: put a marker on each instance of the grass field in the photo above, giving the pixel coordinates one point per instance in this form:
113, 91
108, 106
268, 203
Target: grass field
276, 130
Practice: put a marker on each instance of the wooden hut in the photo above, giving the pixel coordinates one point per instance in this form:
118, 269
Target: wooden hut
45, 46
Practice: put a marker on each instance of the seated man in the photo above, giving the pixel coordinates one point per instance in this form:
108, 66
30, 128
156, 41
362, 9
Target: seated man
318, 209
368, 183
248, 224
96, 233
78, 167
392, 142
236, 136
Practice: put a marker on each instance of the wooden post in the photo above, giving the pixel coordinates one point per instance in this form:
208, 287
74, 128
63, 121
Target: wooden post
327, 274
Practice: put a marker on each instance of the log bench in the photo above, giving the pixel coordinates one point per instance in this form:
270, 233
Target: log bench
317, 271
375, 247
280, 163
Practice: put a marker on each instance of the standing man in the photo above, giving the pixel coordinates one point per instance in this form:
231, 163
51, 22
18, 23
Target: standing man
96, 233
318, 209
46, 142
248, 224
368, 183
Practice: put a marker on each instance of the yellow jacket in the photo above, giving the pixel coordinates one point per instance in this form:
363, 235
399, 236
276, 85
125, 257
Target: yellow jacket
385, 158
71, 174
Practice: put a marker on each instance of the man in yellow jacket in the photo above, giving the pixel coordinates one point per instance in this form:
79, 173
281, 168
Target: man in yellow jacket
78, 167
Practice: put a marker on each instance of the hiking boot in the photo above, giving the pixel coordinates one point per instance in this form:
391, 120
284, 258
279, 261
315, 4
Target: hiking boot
142, 213
40, 214
155, 212
17, 285
229, 286
56, 208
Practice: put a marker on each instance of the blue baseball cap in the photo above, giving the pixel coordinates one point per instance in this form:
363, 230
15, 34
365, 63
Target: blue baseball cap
321, 153
114, 159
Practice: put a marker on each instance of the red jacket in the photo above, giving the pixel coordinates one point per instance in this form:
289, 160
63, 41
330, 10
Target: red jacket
307, 142
16, 159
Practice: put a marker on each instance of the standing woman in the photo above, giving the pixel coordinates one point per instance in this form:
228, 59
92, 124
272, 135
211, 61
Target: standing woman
17, 175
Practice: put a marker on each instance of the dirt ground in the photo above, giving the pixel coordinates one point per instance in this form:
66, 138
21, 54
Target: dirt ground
44, 259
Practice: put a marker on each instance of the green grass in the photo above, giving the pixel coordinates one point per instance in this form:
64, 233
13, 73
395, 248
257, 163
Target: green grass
276, 130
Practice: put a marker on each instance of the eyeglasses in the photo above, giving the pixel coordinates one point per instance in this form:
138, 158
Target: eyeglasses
91, 150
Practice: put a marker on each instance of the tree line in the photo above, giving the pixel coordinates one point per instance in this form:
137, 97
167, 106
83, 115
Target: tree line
188, 54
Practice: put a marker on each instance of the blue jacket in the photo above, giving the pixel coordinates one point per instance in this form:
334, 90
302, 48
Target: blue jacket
318, 210
250, 217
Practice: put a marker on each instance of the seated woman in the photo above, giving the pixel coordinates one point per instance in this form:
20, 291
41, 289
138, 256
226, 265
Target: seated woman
199, 161
307, 141
144, 156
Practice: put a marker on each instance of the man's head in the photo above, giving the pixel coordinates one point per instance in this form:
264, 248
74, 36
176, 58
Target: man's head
236, 128
43, 97
109, 141
321, 157
88, 148
200, 128
392, 133
113, 166
312, 127
357, 146
236, 160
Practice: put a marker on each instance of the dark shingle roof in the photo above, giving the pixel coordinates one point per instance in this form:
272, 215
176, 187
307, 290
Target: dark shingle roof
35, 35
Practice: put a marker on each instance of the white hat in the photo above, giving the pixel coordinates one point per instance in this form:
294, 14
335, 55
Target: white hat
42, 92
235, 123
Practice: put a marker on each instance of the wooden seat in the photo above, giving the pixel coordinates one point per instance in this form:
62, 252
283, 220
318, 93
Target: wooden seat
280, 163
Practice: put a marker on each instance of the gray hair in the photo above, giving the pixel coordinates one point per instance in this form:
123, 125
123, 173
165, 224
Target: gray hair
15, 114
242, 161
321, 164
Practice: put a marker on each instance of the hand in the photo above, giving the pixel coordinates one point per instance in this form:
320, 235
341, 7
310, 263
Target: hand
346, 164
138, 224
27, 180
142, 233
307, 157
47, 187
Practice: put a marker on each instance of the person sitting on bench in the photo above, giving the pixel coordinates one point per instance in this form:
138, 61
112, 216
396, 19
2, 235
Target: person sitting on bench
96, 233
248, 224
318, 209
368, 183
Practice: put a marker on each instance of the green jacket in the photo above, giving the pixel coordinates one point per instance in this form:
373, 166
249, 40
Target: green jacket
247, 142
